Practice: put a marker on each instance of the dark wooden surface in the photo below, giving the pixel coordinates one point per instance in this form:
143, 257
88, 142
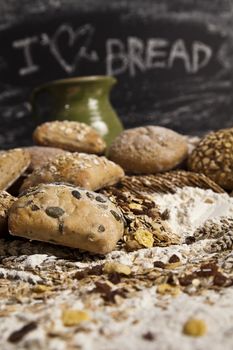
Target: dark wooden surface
173, 59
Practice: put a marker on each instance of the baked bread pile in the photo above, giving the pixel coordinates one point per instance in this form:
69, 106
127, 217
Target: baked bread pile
70, 194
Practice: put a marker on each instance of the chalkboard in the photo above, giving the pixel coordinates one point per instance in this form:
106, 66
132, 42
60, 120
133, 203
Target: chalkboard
173, 59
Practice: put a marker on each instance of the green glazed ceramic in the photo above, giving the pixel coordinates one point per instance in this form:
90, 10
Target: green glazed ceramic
82, 99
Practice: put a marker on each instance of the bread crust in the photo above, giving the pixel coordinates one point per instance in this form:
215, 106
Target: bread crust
40, 155
148, 150
6, 201
67, 215
85, 170
13, 163
69, 135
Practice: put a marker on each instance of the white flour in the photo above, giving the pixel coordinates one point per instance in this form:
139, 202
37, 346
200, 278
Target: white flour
190, 207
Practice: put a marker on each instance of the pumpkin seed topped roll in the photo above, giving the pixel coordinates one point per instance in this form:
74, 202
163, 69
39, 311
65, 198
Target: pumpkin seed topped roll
67, 215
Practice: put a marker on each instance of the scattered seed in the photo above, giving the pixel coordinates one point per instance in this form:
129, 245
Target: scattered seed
74, 317
159, 264
114, 277
144, 237
166, 288
41, 288
174, 259
107, 293
111, 267
19, 334
148, 336
195, 328
190, 240
186, 280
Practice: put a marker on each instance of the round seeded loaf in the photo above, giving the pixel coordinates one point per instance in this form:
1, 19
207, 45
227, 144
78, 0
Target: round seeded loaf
148, 150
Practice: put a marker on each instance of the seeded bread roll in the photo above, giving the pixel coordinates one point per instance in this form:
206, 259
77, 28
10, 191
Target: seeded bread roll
41, 155
70, 136
213, 157
148, 150
67, 215
85, 170
6, 201
13, 163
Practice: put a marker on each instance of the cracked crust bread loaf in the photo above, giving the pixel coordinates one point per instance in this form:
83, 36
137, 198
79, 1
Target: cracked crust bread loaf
67, 215
148, 150
69, 135
13, 163
84, 170
6, 201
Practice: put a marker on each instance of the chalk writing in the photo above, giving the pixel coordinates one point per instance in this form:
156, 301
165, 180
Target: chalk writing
179, 52
74, 36
155, 53
117, 61
85, 33
131, 56
199, 48
25, 44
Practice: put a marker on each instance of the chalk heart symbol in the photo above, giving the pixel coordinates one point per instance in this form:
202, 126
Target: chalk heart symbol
79, 38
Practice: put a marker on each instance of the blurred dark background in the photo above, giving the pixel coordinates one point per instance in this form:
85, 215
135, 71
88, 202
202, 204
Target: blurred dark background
173, 59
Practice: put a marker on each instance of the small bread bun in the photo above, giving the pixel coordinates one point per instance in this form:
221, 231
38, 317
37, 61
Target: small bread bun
85, 170
70, 136
13, 163
67, 215
148, 150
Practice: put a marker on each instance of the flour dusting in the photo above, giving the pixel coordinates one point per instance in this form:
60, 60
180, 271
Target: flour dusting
190, 207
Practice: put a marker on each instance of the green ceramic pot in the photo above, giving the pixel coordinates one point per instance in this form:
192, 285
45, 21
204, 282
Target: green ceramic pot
82, 99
